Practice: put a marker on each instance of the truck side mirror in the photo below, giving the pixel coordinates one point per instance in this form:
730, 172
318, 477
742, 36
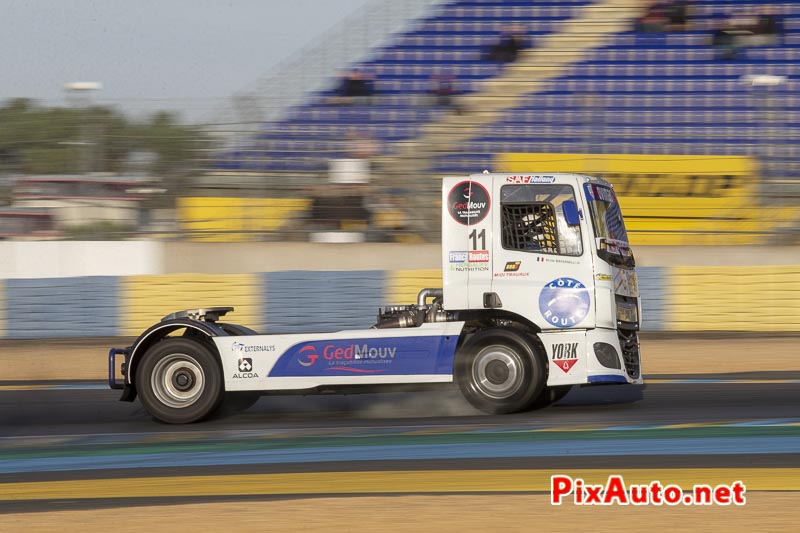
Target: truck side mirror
571, 215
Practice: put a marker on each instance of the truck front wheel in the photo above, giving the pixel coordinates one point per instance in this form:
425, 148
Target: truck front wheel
500, 371
179, 381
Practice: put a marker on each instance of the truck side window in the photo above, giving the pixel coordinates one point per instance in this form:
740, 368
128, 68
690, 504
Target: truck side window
530, 227
532, 219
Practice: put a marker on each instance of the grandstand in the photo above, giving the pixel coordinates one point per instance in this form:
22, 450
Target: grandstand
590, 85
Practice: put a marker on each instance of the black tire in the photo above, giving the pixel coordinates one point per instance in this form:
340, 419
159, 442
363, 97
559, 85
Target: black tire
179, 381
549, 396
500, 371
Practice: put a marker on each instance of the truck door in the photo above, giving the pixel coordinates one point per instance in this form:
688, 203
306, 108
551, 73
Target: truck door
466, 239
540, 269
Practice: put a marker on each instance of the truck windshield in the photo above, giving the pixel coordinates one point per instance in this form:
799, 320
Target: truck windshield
606, 214
609, 226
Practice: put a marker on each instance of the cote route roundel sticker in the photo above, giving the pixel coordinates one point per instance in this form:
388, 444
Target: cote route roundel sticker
468, 202
564, 302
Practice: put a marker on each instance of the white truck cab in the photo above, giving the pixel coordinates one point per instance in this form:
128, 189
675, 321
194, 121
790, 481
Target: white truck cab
539, 294
551, 250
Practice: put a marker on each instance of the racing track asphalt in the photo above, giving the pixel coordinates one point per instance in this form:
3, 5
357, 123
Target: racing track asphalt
79, 431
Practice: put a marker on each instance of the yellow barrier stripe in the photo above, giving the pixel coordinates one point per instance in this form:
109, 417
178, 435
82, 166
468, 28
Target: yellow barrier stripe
745, 298
397, 482
223, 219
404, 285
146, 299
670, 167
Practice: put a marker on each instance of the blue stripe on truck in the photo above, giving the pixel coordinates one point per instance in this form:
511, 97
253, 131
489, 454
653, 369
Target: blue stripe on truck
392, 356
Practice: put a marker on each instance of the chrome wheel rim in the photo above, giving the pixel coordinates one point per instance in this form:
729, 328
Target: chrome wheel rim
497, 371
177, 380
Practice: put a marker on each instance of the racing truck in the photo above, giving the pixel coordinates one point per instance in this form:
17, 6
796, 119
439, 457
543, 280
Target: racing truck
539, 295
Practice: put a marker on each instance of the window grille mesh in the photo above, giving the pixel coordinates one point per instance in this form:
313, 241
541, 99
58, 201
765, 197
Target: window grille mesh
530, 227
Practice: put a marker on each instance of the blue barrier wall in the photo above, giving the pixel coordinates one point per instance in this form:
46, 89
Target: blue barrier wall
306, 301
62, 307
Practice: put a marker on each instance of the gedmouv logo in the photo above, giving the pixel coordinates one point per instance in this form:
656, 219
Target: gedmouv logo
564, 302
358, 351
468, 202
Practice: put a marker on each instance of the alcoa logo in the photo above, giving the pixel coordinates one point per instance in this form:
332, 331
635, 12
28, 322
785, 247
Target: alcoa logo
245, 366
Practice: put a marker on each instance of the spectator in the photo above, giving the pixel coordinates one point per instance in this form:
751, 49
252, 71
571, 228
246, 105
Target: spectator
654, 19
747, 27
724, 42
442, 91
356, 86
770, 26
677, 14
512, 41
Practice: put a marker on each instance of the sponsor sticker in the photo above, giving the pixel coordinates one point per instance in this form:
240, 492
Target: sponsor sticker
479, 256
564, 302
245, 366
468, 202
565, 355
244, 348
360, 358
512, 266
530, 179
458, 257
469, 267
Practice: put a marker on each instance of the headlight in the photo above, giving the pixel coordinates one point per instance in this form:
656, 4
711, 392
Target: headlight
627, 312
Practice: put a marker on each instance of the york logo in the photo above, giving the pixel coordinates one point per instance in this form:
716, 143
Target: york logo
308, 356
245, 369
565, 355
567, 350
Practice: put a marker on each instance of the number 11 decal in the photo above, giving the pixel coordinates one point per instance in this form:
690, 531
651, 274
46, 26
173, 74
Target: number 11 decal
475, 236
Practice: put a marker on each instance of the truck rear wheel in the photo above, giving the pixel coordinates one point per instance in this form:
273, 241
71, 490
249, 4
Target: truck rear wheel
179, 381
500, 371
